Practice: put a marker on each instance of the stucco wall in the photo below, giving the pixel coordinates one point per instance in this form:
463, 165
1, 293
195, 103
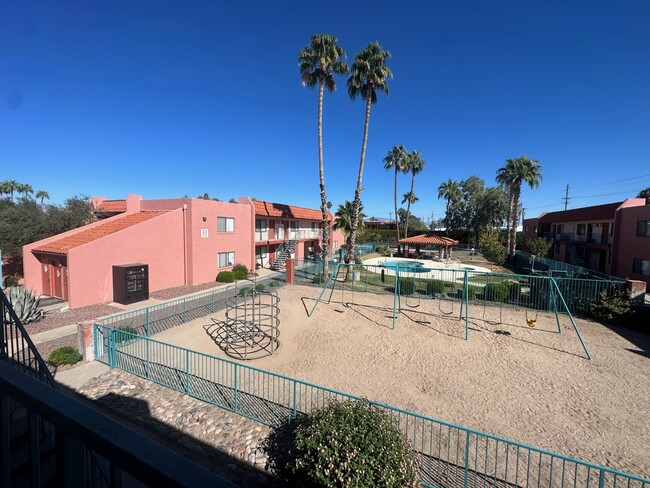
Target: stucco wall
157, 242
627, 245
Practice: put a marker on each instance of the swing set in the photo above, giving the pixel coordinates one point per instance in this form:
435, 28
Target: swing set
533, 293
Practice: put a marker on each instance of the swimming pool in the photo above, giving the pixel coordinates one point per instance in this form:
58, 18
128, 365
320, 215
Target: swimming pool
410, 266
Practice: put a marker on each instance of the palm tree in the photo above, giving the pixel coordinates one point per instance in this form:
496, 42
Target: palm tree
409, 198
369, 75
450, 191
4, 188
396, 158
318, 63
415, 164
42, 194
343, 219
11, 186
645, 194
512, 175
25, 189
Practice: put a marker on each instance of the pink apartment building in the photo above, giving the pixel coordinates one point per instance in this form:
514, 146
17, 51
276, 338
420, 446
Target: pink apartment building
184, 241
613, 238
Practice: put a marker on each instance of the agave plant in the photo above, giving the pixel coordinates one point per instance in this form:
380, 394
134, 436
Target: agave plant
25, 305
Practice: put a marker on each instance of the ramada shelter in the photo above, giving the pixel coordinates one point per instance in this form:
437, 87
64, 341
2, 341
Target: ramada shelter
185, 241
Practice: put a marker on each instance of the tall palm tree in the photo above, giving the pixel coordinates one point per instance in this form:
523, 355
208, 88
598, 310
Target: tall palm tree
42, 195
344, 217
369, 75
512, 176
396, 159
4, 188
318, 63
415, 164
12, 186
409, 198
450, 191
25, 189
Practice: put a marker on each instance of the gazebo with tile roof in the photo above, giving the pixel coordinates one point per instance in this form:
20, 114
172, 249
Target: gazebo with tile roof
444, 244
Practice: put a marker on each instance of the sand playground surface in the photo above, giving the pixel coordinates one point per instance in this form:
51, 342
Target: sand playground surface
532, 385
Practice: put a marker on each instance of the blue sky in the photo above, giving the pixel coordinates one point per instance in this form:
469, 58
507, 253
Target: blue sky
166, 98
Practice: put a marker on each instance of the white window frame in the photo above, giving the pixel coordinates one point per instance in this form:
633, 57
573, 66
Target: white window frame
229, 224
228, 257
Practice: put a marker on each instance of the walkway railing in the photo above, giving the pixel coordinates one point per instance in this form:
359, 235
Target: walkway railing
449, 455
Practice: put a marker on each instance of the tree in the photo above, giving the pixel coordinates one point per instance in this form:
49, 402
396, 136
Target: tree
343, 219
450, 191
25, 189
512, 175
415, 164
645, 194
396, 159
318, 63
4, 188
493, 249
369, 75
42, 195
538, 247
10, 187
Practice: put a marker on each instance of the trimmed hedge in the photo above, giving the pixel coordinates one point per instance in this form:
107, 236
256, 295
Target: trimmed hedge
240, 271
226, 277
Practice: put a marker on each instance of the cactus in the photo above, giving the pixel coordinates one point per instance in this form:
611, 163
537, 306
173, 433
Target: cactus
25, 304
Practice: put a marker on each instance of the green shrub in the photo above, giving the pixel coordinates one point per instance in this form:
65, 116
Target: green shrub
64, 355
122, 333
260, 287
225, 277
240, 271
317, 279
471, 292
496, 292
352, 443
435, 286
245, 291
493, 250
274, 284
612, 308
406, 286
10, 281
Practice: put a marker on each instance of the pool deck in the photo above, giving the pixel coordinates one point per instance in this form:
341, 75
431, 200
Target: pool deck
448, 270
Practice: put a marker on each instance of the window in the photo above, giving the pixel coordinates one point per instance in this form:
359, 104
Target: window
226, 259
260, 225
641, 266
225, 224
580, 230
643, 228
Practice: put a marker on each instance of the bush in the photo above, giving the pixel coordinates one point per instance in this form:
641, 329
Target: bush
317, 279
406, 286
471, 292
240, 271
225, 277
612, 308
260, 287
435, 286
274, 284
64, 355
10, 281
493, 250
496, 292
245, 291
123, 331
351, 443
538, 247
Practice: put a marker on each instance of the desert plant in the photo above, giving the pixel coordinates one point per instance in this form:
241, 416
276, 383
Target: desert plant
240, 271
613, 307
64, 355
245, 291
352, 443
496, 292
226, 277
406, 286
25, 304
435, 286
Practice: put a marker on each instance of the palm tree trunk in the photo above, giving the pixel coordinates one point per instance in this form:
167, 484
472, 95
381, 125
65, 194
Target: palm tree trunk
396, 221
515, 221
325, 242
356, 203
509, 218
408, 207
447, 217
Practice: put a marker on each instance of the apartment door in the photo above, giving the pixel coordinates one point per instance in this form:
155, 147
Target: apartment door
57, 278
279, 230
46, 274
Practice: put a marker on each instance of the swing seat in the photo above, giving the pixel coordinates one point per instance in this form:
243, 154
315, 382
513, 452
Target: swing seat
531, 322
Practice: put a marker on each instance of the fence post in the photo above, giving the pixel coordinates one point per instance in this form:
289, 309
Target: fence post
466, 287
187, 371
601, 479
184, 311
146, 312
466, 476
236, 389
112, 360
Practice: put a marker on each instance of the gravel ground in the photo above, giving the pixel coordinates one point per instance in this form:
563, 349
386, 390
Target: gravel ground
179, 291
54, 319
46, 348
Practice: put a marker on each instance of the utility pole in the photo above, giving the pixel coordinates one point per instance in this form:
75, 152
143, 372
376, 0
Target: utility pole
566, 197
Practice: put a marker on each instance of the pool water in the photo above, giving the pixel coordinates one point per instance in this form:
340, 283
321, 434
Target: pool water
410, 266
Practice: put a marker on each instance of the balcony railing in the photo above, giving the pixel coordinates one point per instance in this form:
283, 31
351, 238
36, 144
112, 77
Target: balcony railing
298, 234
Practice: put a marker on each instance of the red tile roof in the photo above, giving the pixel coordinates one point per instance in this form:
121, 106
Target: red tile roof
429, 239
270, 209
597, 212
63, 245
112, 206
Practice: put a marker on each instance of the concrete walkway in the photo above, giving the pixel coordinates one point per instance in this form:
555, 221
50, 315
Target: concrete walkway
78, 376
50, 335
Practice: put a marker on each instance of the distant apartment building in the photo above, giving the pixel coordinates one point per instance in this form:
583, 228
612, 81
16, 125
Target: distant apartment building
185, 241
380, 224
613, 238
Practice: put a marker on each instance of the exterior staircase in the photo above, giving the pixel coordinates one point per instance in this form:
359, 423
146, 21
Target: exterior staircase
574, 255
283, 253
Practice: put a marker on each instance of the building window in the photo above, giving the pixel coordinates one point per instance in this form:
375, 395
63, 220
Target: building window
643, 228
641, 266
225, 224
226, 259
581, 229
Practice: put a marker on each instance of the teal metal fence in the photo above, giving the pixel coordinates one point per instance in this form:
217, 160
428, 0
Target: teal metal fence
558, 268
156, 318
449, 455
